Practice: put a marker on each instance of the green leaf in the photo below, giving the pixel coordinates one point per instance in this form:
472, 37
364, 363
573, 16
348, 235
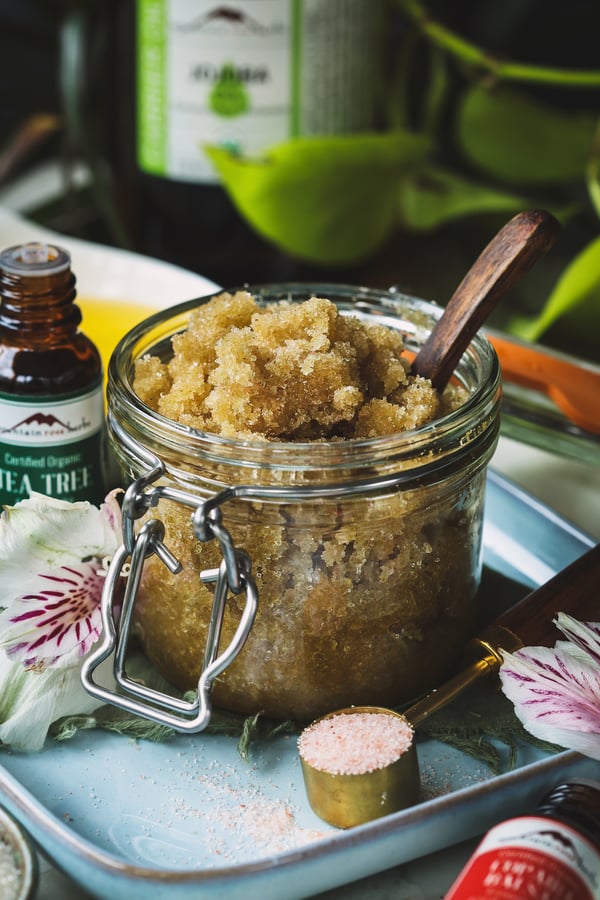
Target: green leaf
432, 197
574, 301
515, 138
329, 200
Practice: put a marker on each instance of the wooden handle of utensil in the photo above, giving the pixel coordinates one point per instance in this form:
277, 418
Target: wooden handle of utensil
508, 256
575, 591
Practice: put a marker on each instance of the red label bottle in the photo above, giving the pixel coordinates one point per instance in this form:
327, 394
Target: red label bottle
553, 854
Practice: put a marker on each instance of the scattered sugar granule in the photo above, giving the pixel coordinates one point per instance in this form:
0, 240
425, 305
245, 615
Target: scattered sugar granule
10, 875
355, 743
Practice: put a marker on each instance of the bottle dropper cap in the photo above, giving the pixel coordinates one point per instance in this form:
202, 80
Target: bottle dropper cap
34, 258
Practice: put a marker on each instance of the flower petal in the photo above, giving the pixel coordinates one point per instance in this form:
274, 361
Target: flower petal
556, 695
56, 623
40, 533
585, 635
30, 701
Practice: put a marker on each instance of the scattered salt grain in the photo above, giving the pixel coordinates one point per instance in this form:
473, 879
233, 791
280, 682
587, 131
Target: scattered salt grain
10, 874
355, 743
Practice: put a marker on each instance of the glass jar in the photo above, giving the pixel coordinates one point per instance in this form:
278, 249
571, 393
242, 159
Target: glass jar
366, 553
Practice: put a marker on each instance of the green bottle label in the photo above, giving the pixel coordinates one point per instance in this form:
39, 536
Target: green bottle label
53, 446
249, 75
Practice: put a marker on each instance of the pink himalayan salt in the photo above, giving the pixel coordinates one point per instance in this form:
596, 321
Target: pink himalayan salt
355, 743
10, 874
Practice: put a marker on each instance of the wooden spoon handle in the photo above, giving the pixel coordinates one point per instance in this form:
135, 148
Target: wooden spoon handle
508, 256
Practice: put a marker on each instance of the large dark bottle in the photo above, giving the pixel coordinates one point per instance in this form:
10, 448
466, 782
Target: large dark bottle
244, 76
51, 393
552, 854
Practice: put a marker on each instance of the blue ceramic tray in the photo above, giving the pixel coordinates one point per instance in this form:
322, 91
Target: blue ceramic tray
189, 819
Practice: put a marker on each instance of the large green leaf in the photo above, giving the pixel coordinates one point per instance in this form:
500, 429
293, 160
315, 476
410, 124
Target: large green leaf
329, 200
574, 301
432, 197
515, 138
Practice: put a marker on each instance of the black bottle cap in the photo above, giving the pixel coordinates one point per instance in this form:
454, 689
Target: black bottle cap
577, 803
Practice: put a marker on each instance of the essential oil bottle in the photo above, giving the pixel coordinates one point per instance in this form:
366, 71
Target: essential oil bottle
52, 425
553, 854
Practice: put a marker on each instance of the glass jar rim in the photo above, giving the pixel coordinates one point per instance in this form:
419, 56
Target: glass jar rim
375, 304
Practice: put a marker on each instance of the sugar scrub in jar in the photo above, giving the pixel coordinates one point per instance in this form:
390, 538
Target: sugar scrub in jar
363, 491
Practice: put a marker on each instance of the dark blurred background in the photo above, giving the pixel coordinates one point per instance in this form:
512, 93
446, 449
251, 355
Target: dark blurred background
67, 101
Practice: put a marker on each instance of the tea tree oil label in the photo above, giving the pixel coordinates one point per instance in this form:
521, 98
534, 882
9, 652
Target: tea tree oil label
52, 446
248, 75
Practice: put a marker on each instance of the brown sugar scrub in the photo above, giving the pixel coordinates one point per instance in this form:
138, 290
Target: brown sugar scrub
289, 373
367, 578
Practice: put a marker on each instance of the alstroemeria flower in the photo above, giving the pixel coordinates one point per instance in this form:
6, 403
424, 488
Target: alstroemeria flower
52, 570
31, 700
556, 692
51, 577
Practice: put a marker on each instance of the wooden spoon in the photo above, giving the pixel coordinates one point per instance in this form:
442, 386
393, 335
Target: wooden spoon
508, 256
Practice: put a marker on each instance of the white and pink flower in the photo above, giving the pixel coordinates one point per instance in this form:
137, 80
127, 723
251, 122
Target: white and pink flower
556, 692
52, 568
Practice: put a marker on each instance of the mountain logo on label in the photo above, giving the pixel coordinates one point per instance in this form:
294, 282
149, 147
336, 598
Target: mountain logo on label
40, 424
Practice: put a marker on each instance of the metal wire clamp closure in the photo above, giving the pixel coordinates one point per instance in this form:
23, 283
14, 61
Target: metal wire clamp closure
233, 574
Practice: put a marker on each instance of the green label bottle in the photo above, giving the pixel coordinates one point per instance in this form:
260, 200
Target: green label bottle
52, 428
245, 76
249, 75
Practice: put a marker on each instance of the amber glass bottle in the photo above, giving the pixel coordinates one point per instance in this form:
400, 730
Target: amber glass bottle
51, 398
553, 854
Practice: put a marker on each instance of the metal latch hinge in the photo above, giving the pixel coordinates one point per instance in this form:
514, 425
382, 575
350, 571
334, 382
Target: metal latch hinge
233, 575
